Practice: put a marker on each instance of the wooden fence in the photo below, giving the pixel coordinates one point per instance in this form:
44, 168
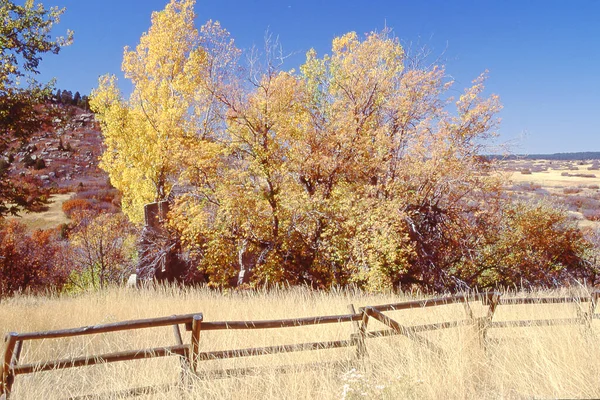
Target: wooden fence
190, 355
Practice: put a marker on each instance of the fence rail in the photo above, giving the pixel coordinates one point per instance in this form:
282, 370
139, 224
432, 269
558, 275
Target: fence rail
190, 355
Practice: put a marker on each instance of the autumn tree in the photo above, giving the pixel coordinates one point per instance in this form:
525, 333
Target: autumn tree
333, 175
102, 247
31, 262
144, 135
24, 38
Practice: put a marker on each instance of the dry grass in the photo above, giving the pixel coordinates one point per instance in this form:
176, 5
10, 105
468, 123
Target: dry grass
555, 180
49, 219
549, 362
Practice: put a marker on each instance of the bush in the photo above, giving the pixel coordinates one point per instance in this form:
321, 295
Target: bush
591, 215
535, 245
29, 262
4, 165
39, 164
70, 207
102, 248
28, 161
571, 190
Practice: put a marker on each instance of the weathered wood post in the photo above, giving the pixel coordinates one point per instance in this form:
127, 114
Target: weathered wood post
491, 299
184, 361
7, 376
593, 302
587, 317
356, 336
361, 350
196, 322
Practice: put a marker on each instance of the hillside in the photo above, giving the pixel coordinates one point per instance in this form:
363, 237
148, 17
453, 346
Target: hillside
62, 156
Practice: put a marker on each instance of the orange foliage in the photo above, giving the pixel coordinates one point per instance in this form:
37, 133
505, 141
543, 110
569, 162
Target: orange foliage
29, 262
70, 207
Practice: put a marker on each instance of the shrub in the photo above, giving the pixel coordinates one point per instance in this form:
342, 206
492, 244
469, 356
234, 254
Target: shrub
102, 247
39, 164
28, 161
70, 207
591, 215
572, 190
29, 262
534, 244
526, 171
525, 187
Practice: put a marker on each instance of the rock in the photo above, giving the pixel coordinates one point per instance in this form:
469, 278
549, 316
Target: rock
132, 281
45, 177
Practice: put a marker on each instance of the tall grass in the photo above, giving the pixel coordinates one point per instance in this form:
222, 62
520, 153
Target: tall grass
543, 362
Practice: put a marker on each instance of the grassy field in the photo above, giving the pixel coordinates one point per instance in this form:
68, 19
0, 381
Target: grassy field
575, 186
554, 178
548, 362
49, 219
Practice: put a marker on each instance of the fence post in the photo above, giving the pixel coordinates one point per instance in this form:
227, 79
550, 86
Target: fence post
196, 322
184, 361
361, 349
7, 376
589, 315
593, 302
358, 338
491, 299
467, 307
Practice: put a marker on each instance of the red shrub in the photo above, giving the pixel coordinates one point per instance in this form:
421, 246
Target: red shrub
29, 262
70, 207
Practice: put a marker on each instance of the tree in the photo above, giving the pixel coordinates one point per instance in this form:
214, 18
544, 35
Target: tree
85, 103
145, 134
77, 99
102, 246
66, 97
338, 174
24, 37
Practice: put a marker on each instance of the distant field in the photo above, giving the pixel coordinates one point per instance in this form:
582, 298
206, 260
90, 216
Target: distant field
573, 184
553, 179
48, 219
542, 362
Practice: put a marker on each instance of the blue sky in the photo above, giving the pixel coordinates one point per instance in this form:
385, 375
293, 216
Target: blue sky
542, 56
